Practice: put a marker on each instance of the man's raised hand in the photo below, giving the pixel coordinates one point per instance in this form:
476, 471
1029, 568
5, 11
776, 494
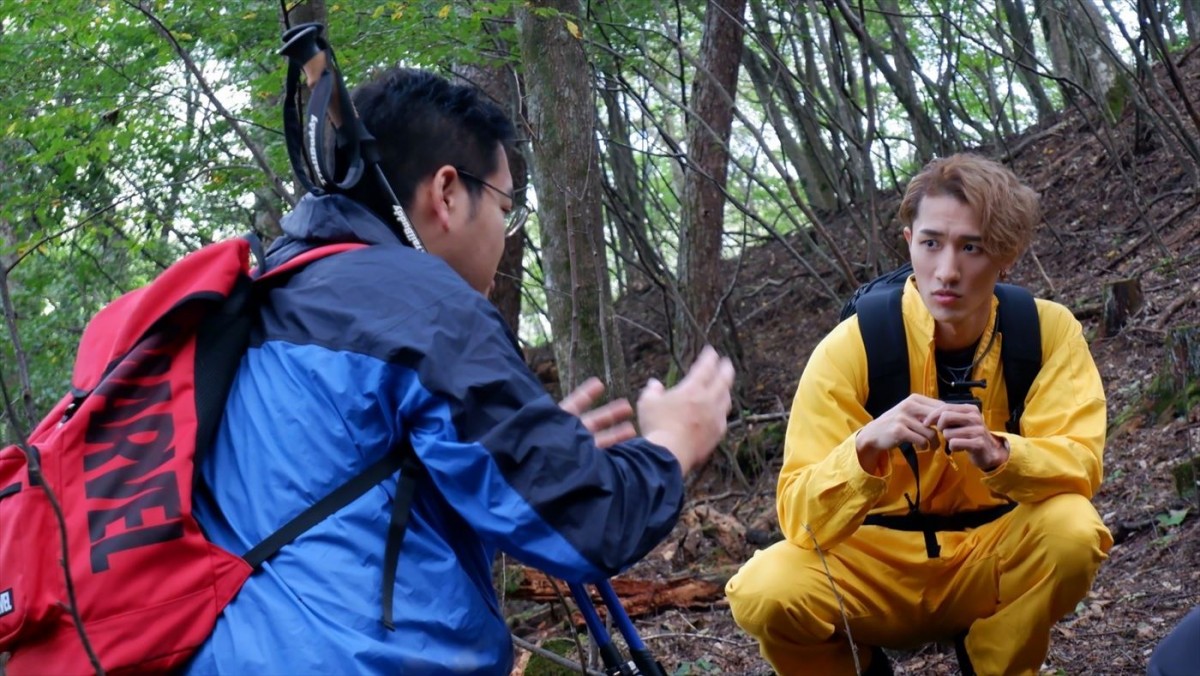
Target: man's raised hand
609, 423
689, 419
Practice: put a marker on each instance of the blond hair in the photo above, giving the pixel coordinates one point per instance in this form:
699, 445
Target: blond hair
1008, 210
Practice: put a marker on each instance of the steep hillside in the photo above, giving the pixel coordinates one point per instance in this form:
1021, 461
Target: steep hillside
1117, 207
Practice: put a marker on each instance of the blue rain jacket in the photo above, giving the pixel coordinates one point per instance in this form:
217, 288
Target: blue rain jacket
356, 351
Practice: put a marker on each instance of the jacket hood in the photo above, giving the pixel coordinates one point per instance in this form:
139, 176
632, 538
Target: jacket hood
325, 219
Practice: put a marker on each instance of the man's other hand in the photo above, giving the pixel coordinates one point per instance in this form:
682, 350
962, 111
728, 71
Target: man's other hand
904, 423
609, 423
964, 430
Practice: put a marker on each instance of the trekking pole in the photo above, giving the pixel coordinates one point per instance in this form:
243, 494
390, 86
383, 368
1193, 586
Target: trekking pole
641, 661
613, 664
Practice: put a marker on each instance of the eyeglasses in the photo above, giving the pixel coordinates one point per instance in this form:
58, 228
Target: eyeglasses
515, 218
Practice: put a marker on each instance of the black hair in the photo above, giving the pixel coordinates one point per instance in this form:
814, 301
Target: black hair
421, 121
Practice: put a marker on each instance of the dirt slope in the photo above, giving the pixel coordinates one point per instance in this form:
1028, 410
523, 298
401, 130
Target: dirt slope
1135, 216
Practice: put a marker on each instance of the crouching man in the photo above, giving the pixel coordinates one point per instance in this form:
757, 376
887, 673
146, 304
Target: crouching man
933, 519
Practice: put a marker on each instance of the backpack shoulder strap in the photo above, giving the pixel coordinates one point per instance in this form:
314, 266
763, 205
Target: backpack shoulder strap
882, 325
223, 337
297, 262
403, 458
1021, 349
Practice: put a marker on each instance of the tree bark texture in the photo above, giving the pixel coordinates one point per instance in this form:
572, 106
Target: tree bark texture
305, 12
626, 202
1122, 298
709, 127
804, 161
1025, 52
1183, 358
1082, 53
501, 85
926, 137
566, 174
19, 394
1191, 16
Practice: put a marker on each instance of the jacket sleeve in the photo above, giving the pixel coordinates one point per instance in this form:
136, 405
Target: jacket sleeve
1061, 445
526, 475
824, 493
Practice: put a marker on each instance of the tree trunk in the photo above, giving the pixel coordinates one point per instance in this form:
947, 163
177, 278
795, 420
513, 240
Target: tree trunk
566, 174
627, 203
1082, 52
501, 84
804, 160
1191, 16
997, 113
1121, 299
1183, 360
842, 99
16, 401
510, 276
1025, 54
925, 136
709, 127
307, 11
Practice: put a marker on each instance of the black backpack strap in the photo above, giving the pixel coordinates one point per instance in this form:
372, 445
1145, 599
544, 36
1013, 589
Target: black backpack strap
881, 322
960, 651
1020, 349
406, 488
313, 159
897, 277
326, 506
221, 340
925, 522
402, 459
882, 326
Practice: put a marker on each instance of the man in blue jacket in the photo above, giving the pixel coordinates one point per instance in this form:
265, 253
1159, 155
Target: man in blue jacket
364, 349
1179, 653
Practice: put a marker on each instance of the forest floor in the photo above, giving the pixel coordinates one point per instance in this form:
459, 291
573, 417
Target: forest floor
1115, 209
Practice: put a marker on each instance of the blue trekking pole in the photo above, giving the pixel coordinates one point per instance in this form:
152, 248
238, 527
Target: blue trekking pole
641, 663
638, 652
613, 664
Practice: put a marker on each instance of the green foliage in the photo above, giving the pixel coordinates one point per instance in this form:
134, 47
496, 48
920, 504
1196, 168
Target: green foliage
512, 579
115, 160
1169, 522
1172, 518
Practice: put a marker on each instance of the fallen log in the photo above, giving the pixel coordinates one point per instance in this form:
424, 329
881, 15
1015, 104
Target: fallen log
640, 597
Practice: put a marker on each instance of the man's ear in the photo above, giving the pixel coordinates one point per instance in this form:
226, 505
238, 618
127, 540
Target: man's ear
444, 195
908, 236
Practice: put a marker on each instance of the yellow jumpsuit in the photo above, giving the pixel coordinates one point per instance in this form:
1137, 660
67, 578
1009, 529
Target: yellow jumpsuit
1007, 582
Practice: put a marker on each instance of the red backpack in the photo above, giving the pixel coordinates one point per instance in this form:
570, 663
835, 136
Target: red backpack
105, 481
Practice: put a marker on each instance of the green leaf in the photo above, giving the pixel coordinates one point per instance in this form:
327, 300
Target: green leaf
1172, 518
